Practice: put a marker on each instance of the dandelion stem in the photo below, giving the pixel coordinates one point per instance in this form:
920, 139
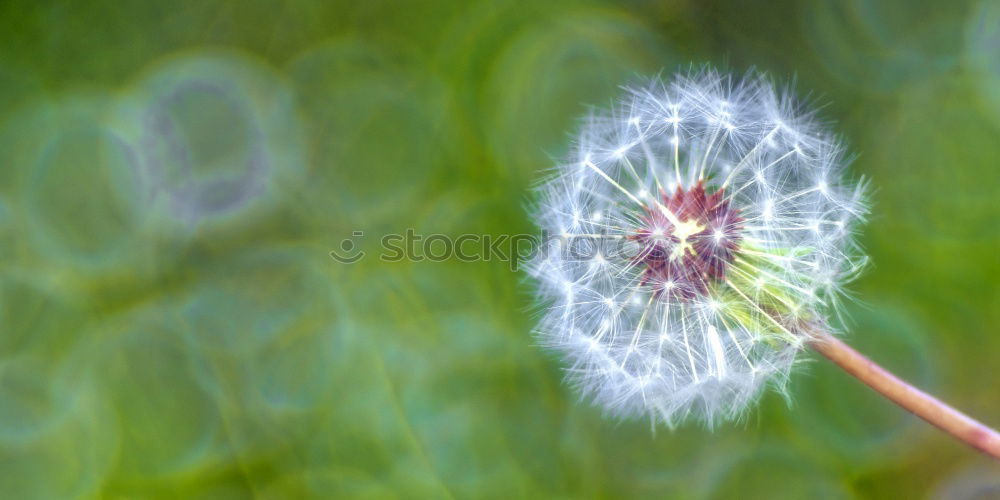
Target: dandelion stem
921, 404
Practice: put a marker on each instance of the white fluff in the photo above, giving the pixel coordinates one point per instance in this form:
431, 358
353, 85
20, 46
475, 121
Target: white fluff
633, 343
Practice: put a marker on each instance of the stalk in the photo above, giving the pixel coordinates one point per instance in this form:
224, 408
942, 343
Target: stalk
917, 402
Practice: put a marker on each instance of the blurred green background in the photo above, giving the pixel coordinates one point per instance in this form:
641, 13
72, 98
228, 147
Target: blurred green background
174, 174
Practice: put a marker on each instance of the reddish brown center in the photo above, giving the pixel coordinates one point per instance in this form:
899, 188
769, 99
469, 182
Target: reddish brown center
682, 259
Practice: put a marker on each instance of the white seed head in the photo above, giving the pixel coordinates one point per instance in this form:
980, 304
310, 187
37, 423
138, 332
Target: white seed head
719, 220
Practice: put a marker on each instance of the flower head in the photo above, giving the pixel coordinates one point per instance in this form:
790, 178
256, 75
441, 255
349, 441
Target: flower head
695, 226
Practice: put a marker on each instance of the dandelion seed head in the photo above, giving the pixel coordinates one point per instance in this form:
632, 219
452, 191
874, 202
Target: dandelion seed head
716, 218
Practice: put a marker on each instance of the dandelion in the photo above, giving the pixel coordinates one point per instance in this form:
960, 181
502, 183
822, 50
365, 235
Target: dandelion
704, 233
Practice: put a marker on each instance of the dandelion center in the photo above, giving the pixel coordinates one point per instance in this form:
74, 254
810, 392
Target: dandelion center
687, 239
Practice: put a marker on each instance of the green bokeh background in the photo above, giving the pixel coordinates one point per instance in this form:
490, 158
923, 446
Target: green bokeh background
174, 174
